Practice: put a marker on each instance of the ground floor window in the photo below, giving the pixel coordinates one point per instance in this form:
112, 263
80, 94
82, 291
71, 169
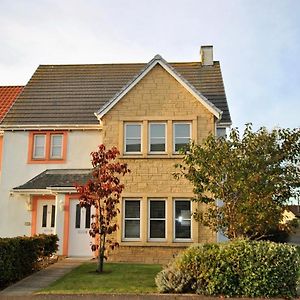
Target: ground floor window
182, 219
157, 219
132, 219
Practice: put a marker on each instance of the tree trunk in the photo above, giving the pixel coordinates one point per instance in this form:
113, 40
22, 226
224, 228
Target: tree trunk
101, 254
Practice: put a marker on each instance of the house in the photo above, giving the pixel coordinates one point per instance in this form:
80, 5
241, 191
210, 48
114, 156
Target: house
149, 111
8, 95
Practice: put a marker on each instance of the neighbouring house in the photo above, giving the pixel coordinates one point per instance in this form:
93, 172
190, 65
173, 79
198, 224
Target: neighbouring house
8, 95
292, 214
149, 111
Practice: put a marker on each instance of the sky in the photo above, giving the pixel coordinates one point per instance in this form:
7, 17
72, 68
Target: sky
256, 41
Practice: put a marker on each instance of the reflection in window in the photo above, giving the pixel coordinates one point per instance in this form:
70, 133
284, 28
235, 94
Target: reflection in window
182, 219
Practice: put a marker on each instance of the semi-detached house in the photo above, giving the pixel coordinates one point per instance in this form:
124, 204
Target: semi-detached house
149, 111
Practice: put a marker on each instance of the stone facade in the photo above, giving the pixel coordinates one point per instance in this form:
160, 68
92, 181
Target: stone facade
157, 97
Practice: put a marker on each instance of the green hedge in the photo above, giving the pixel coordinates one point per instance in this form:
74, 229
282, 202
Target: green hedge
238, 268
19, 255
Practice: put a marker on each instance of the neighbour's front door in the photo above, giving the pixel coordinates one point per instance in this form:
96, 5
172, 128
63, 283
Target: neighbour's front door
80, 222
45, 216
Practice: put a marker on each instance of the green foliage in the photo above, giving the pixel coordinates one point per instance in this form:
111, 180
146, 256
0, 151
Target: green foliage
239, 268
254, 175
19, 255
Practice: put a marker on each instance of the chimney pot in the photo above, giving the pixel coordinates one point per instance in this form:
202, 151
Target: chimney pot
206, 55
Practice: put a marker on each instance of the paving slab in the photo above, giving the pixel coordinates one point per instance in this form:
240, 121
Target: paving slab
41, 279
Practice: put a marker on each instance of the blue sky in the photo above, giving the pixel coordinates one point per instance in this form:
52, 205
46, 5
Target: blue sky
256, 41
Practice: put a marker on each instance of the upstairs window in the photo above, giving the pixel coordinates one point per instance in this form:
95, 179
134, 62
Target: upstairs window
157, 137
39, 146
181, 136
47, 147
56, 146
133, 138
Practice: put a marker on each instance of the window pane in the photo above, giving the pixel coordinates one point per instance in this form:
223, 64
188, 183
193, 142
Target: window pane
183, 229
157, 229
181, 143
78, 215
221, 132
39, 146
133, 145
56, 145
157, 144
88, 217
56, 140
133, 138
132, 228
157, 137
133, 131
53, 216
183, 219
182, 130
44, 218
132, 209
183, 209
157, 130
157, 209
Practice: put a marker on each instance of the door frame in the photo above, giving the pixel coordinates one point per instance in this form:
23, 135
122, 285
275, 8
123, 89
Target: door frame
35, 199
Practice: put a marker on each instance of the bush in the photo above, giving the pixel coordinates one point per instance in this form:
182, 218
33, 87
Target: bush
237, 268
19, 255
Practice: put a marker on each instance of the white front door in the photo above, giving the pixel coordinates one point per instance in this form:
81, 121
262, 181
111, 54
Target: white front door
45, 216
80, 221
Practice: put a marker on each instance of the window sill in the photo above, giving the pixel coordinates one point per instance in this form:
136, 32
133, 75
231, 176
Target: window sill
49, 161
152, 156
154, 244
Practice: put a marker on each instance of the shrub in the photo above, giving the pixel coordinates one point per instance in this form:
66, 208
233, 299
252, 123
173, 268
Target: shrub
238, 268
19, 255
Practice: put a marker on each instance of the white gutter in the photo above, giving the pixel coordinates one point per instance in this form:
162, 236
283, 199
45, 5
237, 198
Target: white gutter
51, 127
46, 191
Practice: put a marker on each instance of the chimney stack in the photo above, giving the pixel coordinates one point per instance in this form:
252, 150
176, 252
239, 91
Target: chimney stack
206, 55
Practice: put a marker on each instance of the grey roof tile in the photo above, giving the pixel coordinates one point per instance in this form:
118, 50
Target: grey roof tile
57, 178
70, 94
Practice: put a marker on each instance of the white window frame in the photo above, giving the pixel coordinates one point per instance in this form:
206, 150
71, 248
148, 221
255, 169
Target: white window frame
149, 137
34, 146
183, 240
125, 137
134, 219
174, 137
51, 146
157, 219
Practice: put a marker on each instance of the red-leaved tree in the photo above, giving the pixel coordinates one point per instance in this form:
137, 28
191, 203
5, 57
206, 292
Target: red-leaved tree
103, 192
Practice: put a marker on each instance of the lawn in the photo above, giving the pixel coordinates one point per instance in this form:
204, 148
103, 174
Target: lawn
117, 278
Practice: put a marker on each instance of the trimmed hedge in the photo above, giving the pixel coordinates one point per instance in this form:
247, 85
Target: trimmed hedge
237, 268
19, 255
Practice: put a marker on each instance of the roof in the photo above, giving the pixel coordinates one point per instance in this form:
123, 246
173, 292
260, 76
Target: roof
295, 209
8, 95
158, 60
68, 94
57, 178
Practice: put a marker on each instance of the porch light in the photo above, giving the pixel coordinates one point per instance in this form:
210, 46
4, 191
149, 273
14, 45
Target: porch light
61, 205
28, 204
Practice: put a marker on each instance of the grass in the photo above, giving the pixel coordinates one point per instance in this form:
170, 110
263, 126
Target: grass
117, 278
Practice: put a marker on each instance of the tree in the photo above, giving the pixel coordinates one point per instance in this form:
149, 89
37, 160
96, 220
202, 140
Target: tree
103, 192
246, 180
